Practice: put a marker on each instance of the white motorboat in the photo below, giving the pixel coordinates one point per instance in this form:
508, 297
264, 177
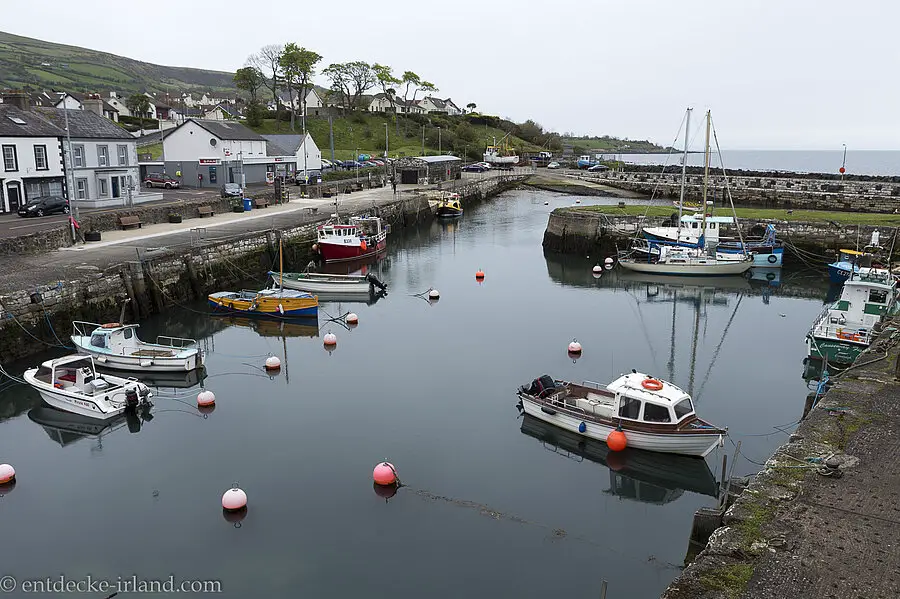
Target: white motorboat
323, 283
654, 415
676, 260
72, 383
116, 345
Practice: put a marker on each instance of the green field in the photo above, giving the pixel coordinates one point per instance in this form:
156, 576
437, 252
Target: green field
756, 214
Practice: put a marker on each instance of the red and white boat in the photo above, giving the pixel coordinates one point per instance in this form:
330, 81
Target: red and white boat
360, 237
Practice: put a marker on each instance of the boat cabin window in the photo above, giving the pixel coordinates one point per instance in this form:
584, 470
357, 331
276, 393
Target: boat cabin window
878, 296
655, 413
630, 408
711, 226
129, 333
694, 225
98, 340
683, 408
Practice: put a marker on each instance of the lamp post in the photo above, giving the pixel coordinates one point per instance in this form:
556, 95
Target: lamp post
385, 152
356, 160
844, 163
423, 140
73, 206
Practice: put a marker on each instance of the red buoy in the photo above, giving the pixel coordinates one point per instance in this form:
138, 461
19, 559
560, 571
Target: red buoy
616, 440
842, 170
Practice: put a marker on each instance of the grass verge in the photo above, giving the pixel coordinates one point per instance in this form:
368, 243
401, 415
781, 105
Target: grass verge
806, 216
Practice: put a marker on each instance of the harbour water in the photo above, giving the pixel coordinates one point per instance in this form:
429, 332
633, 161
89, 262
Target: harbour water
493, 506
859, 162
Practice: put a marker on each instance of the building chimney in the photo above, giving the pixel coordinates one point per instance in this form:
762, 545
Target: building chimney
16, 98
93, 103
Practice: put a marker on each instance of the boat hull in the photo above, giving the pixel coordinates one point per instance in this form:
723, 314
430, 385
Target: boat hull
289, 309
445, 212
839, 272
695, 445
98, 407
332, 252
139, 363
704, 270
324, 287
838, 352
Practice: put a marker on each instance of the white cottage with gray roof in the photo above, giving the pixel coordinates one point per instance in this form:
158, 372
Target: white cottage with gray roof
30, 157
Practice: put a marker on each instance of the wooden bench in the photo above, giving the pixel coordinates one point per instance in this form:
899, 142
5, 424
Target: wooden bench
312, 209
129, 221
204, 211
260, 203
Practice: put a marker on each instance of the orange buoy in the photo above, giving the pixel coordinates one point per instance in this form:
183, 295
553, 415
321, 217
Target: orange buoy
384, 474
362, 246
616, 440
652, 384
479, 274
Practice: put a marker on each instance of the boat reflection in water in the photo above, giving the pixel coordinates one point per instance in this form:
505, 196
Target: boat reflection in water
65, 427
286, 327
645, 476
173, 379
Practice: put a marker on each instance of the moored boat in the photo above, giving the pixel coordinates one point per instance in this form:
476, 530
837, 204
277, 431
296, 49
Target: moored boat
330, 284
856, 262
449, 206
266, 302
359, 237
72, 383
116, 345
654, 415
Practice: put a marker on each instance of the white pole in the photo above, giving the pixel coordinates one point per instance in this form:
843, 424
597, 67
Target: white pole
70, 181
687, 130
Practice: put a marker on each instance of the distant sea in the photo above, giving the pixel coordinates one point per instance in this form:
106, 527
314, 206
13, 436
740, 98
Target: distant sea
859, 162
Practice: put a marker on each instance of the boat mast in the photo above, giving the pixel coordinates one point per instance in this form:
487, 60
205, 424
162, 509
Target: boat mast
687, 128
705, 173
280, 265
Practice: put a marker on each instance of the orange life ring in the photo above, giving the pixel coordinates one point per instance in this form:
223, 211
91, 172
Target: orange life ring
652, 384
111, 325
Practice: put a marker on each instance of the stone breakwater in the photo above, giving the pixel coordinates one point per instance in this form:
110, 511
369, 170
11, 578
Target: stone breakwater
580, 231
822, 518
769, 190
41, 314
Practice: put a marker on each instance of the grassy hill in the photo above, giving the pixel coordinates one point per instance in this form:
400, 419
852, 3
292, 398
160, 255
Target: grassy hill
364, 132
583, 145
36, 64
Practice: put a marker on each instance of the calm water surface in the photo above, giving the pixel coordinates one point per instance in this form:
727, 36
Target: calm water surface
494, 506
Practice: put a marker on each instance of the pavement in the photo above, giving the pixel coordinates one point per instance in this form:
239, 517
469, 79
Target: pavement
116, 247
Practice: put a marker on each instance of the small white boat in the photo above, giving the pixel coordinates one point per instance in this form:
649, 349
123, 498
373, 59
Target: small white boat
323, 283
655, 415
72, 383
116, 345
675, 260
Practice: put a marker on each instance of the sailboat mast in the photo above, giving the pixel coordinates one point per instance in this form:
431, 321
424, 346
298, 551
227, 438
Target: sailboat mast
705, 173
280, 265
687, 129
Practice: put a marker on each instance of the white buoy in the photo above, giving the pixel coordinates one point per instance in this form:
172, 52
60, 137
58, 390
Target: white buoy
597, 269
574, 347
596, 274
330, 339
273, 363
206, 398
546, 203
352, 318
434, 294
7, 474
577, 201
234, 499
609, 261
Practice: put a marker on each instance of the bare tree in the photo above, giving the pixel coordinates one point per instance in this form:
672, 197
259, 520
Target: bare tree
267, 60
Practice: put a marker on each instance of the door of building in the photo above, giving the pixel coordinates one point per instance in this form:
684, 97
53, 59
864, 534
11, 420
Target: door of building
13, 192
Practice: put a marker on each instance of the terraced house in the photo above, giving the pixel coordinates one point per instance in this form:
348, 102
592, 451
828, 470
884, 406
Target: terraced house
30, 157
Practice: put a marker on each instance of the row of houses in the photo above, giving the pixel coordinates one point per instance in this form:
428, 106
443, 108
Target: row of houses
101, 170
320, 100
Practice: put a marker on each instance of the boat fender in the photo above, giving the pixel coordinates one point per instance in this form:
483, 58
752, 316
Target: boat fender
547, 410
770, 276
281, 309
772, 259
582, 427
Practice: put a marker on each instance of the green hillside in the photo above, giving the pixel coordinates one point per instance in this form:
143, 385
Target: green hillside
605, 143
36, 64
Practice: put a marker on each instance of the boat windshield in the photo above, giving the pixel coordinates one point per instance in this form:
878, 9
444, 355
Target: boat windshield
683, 408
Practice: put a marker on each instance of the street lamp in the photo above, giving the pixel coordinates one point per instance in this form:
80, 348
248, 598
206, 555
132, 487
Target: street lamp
356, 160
385, 152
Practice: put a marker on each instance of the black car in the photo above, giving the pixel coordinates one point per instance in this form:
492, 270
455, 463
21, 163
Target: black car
42, 205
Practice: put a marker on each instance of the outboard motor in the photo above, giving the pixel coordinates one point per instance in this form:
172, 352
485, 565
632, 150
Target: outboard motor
374, 281
131, 399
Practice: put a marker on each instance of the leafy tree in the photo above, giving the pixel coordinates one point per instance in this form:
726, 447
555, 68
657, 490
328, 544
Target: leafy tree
351, 80
410, 79
426, 87
387, 82
471, 106
298, 66
139, 105
255, 113
268, 60
249, 79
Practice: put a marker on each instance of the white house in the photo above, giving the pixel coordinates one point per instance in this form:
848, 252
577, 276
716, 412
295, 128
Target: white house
221, 113
381, 103
67, 100
103, 158
430, 104
212, 153
118, 103
303, 148
30, 155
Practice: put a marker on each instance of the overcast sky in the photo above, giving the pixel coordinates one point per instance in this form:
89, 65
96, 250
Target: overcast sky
796, 74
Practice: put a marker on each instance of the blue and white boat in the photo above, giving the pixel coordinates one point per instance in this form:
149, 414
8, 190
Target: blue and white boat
116, 345
767, 251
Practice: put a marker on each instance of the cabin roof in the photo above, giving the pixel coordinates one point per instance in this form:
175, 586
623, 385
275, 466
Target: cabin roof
630, 384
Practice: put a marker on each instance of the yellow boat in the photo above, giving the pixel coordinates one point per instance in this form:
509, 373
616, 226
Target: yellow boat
449, 206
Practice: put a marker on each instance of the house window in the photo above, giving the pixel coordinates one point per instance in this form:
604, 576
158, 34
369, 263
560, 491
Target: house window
40, 158
123, 155
78, 155
10, 161
103, 155
104, 187
81, 189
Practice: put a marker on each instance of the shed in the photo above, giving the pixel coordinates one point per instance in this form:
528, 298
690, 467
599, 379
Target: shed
429, 169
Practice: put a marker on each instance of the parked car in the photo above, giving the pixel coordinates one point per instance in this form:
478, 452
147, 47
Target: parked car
313, 175
486, 165
232, 190
598, 167
161, 180
474, 168
348, 164
327, 165
553, 164
42, 205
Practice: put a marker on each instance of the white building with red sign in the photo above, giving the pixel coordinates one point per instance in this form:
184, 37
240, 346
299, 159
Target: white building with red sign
212, 153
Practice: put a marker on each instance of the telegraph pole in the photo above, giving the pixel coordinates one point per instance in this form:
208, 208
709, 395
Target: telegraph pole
70, 182
331, 135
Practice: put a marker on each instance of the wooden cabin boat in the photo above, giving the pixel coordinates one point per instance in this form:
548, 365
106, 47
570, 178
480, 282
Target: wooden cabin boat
72, 383
449, 206
655, 415
359, 237
116, 345
267, 302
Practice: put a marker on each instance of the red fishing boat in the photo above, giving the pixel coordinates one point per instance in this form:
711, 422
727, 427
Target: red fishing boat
359, 237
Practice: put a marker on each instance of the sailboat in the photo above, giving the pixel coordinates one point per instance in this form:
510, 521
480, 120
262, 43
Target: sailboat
274, 301
678, 257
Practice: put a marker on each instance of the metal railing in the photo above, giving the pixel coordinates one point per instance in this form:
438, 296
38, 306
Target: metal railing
176, 342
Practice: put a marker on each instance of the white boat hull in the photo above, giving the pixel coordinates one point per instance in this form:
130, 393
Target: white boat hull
327, 287
711, 268
136, 363
682, 443
101, 406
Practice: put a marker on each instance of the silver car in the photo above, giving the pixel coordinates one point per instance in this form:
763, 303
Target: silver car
231, 190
